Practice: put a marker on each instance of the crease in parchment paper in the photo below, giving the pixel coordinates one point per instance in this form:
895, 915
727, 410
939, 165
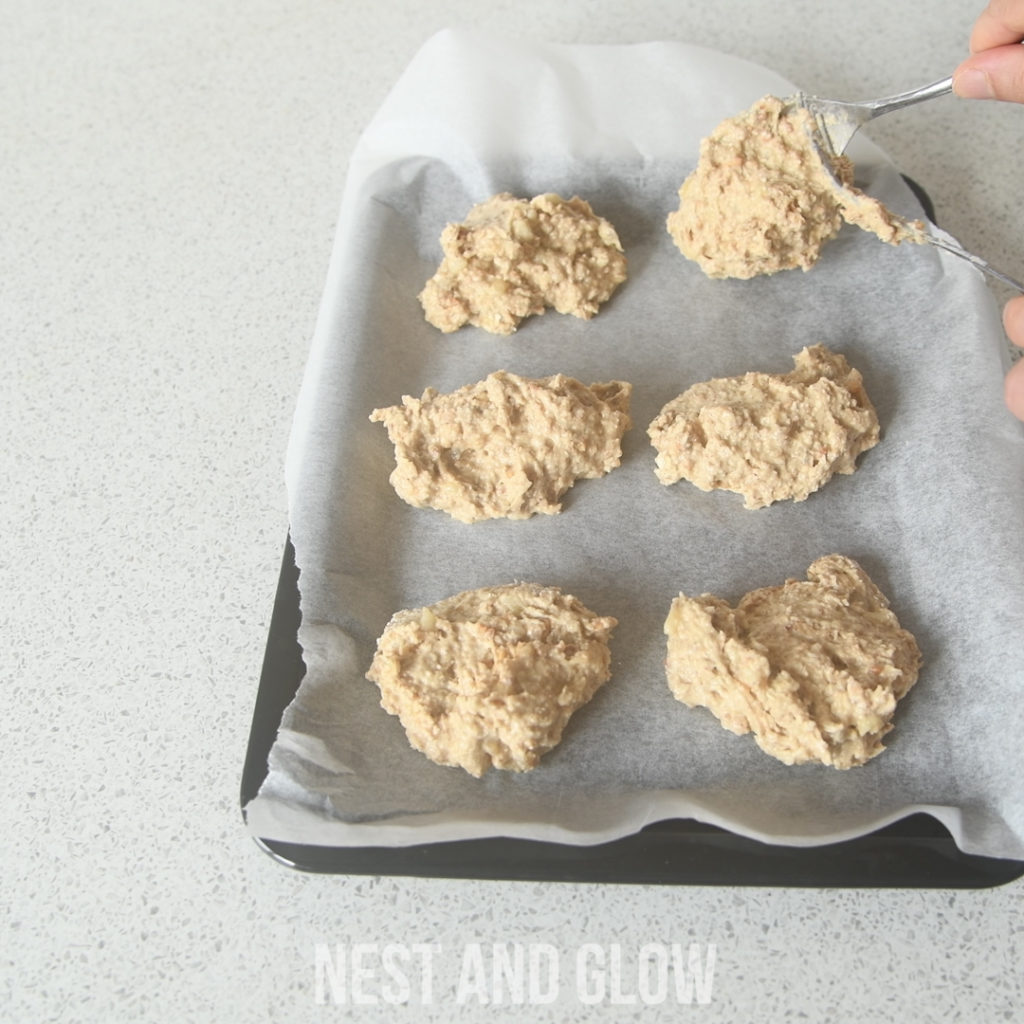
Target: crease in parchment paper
934, 513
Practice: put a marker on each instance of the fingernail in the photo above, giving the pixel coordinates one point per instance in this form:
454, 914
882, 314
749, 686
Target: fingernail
973, 85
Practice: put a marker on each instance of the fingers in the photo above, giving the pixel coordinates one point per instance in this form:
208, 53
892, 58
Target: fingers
1013, 321
992, 75
995, 70
1002, 22
1013, 389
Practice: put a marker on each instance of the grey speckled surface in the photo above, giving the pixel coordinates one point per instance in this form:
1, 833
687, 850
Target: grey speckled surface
169, 186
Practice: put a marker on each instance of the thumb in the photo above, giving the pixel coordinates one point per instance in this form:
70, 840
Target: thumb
996, 74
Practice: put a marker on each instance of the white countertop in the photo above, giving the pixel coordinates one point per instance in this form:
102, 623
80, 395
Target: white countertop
170, 182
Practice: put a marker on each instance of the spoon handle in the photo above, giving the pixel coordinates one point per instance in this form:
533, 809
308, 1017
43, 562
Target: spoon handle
977, 261
906, 99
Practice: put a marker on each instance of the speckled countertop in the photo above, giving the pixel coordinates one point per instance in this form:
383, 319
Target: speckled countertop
169, 186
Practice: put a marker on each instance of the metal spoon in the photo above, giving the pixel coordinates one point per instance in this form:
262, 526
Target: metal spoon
838, 122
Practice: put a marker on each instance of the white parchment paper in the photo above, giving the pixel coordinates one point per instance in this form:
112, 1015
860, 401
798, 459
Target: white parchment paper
935, 513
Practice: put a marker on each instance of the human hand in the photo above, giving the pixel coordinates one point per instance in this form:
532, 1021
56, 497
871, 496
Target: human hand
995, 69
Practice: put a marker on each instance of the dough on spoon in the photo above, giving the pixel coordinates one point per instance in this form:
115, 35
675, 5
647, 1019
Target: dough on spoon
764, 198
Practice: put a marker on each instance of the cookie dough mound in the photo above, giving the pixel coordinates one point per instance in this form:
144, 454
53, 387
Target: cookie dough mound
506, 447
763, 198
768, 436
814, 668
489, 678
512, 257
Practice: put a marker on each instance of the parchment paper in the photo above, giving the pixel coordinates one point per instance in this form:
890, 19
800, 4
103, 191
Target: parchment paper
934, 513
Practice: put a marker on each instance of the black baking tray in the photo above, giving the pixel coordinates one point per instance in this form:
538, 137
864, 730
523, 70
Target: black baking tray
916, 852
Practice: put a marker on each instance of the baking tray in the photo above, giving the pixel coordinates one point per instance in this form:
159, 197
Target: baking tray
916, 852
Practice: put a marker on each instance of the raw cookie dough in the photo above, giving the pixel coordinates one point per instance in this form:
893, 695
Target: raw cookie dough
762, 198
508, 446
514, 257
489, 678
768, 436
813, 669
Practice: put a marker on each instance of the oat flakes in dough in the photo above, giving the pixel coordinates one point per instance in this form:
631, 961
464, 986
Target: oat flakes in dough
814, 669
512, 258
767, 436
762, 200
506, 447
489, 678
